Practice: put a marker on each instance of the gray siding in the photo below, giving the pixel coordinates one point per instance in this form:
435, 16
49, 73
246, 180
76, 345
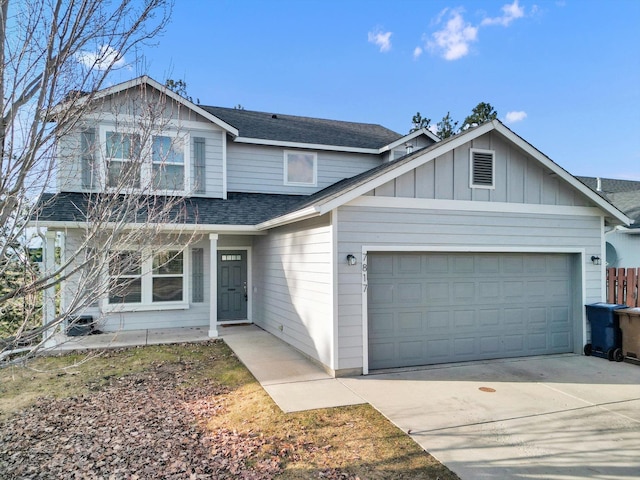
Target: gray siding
358, 226
292, 286
213, 161
627, 249
197, 315
260, 169
518, 178
69, 172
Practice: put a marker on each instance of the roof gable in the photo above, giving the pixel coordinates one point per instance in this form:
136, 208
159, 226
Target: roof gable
349, 189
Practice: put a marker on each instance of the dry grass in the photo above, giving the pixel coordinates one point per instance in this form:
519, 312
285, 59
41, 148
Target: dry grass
347, 442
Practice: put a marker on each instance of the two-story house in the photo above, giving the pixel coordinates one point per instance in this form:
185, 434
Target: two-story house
361, 247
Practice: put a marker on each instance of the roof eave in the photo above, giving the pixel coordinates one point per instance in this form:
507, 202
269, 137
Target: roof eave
309, 146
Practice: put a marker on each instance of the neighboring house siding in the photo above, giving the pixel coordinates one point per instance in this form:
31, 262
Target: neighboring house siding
627, 249
292, 286
260, 169
358, 226
518, 178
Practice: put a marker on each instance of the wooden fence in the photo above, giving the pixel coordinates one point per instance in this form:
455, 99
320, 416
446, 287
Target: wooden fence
622, 286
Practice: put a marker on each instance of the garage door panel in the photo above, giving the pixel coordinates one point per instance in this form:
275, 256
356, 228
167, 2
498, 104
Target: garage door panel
409, 293
438, 307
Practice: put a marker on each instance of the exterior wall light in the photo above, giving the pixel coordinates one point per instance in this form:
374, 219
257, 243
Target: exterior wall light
351, 259
595, 260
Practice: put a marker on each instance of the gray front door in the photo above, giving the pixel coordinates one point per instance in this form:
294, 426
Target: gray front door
232, 285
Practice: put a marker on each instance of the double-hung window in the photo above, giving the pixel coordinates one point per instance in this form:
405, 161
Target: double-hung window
125, 277
167, 156
139, 280
123, 159
168, 277
156, 162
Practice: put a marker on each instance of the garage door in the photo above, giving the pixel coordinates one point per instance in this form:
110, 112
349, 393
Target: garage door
429, 308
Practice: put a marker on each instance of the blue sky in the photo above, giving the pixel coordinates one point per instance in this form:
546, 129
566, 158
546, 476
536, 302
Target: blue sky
564, 75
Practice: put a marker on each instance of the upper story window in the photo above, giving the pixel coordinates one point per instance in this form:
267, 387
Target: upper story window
168, 163
300, 168
482, 168
160, 161
123, 159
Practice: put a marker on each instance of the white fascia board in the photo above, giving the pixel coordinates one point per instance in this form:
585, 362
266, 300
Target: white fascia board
562, 173
292, 217
169, 228
474, 206
408, 137
307, 146
419, 159
158, 86
626, 231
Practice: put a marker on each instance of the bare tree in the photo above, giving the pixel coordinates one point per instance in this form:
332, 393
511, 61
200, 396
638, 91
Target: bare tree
56, 57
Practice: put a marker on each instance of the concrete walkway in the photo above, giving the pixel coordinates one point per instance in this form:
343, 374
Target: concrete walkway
292, 380
130, 338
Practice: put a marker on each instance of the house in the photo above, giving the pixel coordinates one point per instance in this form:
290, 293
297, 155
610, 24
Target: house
362, 248
622, 241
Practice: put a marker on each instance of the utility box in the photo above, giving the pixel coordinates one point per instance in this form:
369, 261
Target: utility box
606, 337
629, 319
80, 325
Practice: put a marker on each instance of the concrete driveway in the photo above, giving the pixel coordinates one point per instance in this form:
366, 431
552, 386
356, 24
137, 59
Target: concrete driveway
553, 417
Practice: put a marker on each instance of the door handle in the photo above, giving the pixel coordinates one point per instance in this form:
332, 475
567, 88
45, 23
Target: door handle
246, 296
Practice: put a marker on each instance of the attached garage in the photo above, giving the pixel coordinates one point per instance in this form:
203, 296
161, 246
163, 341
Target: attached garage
438, 307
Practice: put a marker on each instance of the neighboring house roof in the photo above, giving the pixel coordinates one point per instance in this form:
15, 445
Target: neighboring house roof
349, 189
624, 194
246, 209
307, 130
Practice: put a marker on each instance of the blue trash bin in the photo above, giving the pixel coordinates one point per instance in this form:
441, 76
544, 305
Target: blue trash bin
606, 336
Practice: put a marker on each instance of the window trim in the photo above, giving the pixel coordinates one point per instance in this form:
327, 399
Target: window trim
146, 287
146, 163
314, 155
473, 185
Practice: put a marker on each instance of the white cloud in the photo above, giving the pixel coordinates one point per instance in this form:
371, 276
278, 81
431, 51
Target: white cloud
452, 41
417, 52
106, 57
510, 12
516, 116
381, 39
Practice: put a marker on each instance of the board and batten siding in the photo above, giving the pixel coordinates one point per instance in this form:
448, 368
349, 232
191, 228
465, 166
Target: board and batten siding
518, 178
292, 286
451, 230
260, 169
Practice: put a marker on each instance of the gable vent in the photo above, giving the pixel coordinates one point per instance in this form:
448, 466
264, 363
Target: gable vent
482, 168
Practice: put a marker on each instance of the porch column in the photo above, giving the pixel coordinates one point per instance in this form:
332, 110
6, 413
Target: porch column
213, 286
49, 295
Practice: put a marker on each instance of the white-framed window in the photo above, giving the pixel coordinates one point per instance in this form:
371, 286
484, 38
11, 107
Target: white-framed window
123, 152
147, 280
300, 168
125, 277
167, 156
482, 164
160, 162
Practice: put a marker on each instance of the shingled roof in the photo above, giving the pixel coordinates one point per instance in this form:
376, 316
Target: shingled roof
291, 128
624, 194
237, 209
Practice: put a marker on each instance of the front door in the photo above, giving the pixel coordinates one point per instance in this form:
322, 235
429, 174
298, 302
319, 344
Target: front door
232, 285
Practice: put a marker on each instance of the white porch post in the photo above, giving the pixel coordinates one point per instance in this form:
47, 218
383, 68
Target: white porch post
49, 295
213, 286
